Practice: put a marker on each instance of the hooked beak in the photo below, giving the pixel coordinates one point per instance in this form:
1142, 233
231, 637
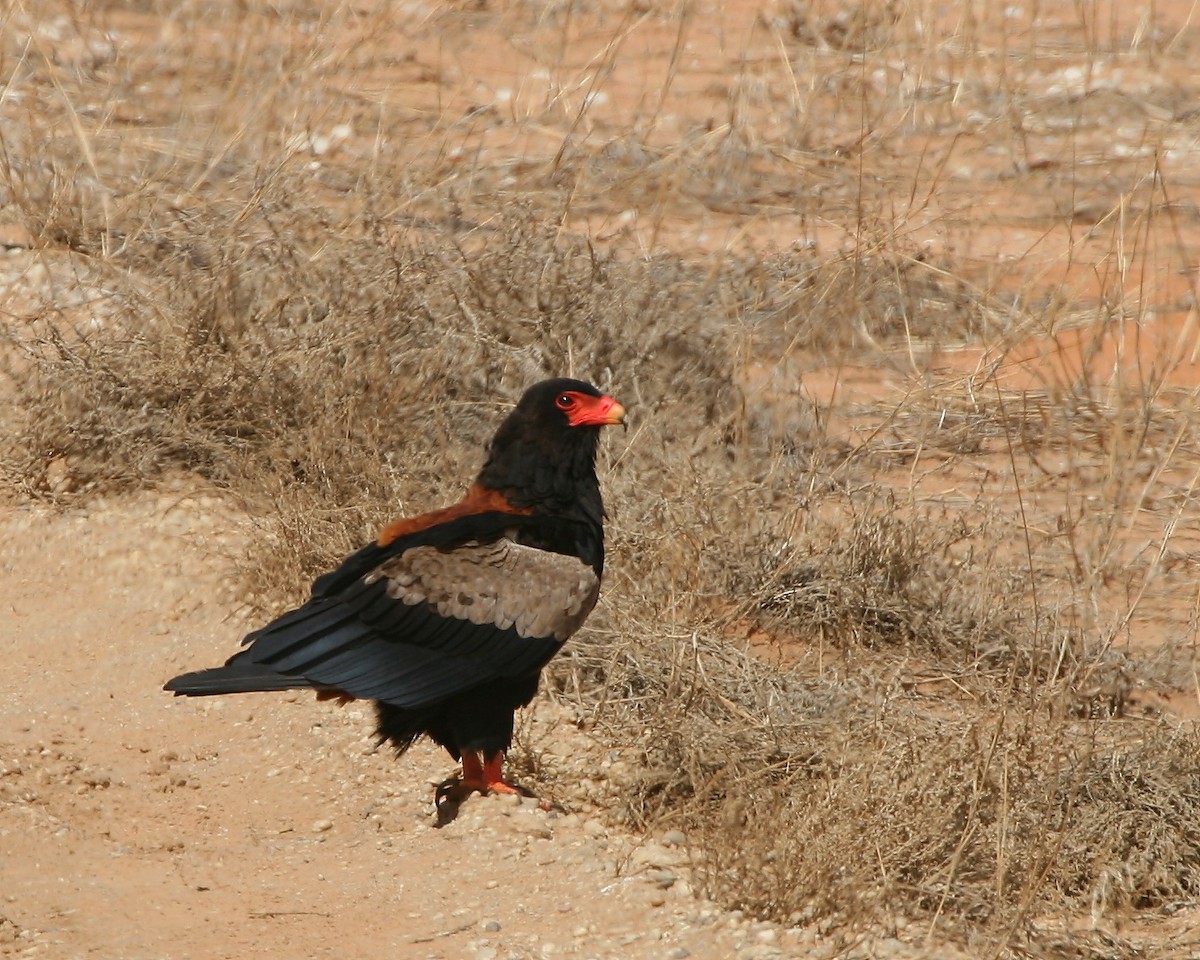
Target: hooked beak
599, 412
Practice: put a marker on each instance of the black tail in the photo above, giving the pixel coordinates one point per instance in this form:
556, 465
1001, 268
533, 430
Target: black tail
239, 675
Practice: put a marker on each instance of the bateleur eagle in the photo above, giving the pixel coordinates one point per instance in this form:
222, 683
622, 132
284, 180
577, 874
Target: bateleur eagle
448, 618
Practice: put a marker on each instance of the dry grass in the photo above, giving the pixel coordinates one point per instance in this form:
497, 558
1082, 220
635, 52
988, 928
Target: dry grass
884, 653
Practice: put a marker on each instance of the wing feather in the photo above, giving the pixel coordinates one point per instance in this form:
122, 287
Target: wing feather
305, 654
430, 622
540, 594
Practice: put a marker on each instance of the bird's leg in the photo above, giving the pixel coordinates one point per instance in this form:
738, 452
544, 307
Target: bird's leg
485, 774
493, 775
472, 773
455, 790
480, 774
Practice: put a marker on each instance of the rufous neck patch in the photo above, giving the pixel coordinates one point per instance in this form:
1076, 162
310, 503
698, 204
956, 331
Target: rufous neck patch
478, 499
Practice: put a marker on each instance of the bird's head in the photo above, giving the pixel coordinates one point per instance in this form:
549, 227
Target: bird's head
552, 432
552, 403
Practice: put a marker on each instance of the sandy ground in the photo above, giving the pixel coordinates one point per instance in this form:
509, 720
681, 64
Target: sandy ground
136, 825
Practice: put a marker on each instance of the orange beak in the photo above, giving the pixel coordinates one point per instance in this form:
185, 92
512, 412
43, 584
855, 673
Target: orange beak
598, 412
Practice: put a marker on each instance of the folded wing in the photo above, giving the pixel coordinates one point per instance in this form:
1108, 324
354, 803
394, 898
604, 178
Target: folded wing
425, 624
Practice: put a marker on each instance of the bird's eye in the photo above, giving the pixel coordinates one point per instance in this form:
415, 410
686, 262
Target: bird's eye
565, 401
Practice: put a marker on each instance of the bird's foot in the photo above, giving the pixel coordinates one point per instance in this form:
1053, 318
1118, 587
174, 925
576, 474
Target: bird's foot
457, 789
479, 775
451, 794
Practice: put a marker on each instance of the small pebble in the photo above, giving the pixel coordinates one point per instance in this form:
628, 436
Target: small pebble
656, 855
662, 878
531, 826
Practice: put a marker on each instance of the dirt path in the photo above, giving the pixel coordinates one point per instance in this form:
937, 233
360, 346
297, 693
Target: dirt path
136, 825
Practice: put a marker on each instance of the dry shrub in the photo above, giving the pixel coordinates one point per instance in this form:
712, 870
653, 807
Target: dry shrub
847, 27
965, 823
923, 590
1146, 424
881, 295
877, 578
367, 376
849, 802
959, 766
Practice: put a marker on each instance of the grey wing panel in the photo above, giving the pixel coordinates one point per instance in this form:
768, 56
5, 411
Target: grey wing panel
506, 584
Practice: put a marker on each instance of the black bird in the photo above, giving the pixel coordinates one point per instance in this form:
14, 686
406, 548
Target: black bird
447, 619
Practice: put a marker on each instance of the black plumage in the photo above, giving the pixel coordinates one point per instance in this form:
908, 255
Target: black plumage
447, 619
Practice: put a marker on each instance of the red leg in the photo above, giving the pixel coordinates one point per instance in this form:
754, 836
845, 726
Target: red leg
473, 776
493, 775
479, 775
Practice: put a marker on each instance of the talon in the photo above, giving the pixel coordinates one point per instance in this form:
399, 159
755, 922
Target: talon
455, 790
493, 777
